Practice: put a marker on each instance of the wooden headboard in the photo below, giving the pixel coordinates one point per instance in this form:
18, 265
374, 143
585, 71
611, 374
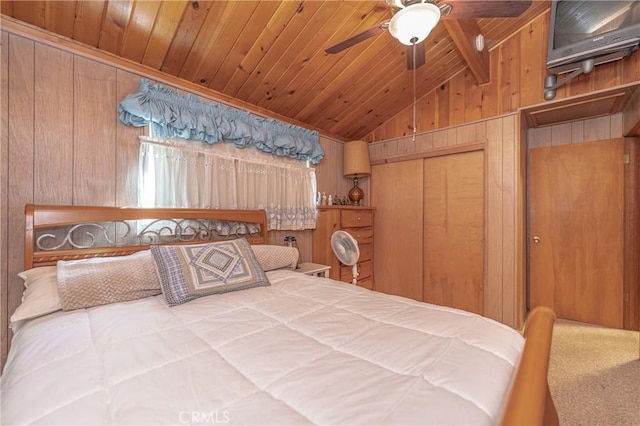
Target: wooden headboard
55, 233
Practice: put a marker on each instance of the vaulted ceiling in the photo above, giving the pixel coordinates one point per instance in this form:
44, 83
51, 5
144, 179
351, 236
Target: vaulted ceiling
272, 53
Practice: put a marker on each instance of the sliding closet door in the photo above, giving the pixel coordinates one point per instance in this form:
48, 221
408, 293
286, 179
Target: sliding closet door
454, 231
396, 192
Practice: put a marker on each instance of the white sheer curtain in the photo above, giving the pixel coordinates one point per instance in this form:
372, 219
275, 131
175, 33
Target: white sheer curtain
174, 174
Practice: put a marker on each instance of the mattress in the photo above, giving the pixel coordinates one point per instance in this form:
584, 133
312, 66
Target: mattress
305, 350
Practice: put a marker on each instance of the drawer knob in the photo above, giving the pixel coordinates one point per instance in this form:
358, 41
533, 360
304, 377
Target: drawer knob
358, 217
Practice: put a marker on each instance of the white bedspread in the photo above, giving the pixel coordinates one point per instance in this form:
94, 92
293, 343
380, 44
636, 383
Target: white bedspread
304, 350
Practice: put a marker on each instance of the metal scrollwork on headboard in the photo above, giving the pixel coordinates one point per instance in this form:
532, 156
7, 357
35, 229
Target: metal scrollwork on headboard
71, 237
186, 230
157, 231
55, 233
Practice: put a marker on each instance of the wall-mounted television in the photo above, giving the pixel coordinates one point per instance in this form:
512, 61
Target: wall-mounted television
593, 29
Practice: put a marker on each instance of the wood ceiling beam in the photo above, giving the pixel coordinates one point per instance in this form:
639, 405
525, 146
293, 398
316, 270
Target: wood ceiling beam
463, 32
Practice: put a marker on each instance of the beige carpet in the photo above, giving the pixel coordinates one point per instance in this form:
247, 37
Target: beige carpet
594, 375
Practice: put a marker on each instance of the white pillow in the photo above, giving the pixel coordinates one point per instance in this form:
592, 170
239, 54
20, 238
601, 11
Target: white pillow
41, 294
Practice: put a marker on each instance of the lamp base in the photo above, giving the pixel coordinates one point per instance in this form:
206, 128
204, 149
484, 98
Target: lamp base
356, 194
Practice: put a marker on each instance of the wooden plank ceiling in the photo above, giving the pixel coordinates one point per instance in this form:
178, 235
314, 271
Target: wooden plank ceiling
271, 53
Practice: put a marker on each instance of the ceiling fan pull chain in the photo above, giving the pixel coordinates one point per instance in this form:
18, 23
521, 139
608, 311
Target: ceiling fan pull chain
413, 139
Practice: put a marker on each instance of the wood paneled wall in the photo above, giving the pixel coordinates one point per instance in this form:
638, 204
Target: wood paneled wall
505, 197
593, 129
504, 142
4, 196
631, 116
62, 144
518, 68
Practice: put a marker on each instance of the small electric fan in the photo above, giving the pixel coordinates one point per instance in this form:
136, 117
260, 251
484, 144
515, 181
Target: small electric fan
345, 247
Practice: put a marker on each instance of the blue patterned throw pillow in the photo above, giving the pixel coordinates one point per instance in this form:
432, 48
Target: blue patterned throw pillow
190, 271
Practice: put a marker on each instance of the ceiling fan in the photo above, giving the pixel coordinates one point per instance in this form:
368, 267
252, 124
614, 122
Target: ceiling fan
412, 21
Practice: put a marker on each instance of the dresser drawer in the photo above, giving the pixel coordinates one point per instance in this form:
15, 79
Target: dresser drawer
356, 218
366, 252
366, 282
365, 270
362, 235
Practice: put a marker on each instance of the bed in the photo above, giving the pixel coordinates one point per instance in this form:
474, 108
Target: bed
293, 349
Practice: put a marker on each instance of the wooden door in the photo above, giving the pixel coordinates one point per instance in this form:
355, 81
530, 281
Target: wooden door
576, 231
396, 193
454, 231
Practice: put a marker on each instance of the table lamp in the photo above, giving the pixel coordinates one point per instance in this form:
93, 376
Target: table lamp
356, 163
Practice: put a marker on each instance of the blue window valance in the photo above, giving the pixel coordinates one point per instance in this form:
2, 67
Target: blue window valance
174, 116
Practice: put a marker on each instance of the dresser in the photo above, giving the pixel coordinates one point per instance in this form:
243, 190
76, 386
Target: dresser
357, 221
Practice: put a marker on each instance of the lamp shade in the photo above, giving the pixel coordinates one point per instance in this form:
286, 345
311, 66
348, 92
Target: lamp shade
414, 23
356, 159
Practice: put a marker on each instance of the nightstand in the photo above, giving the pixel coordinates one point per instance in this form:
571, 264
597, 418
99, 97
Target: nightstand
314, 269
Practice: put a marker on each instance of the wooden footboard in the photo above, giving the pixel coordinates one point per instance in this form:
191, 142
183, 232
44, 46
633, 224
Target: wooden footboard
529, 400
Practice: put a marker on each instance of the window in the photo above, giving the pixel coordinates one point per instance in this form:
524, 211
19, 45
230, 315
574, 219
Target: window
175, 173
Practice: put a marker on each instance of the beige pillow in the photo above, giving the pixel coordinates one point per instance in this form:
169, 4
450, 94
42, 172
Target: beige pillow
40, 296
102, 280
273, 257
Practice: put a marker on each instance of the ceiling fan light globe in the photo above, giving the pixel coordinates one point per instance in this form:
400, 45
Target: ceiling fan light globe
414, 23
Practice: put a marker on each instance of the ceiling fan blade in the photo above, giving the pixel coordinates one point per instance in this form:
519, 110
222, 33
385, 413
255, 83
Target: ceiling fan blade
420, 56
353, 40
470, 9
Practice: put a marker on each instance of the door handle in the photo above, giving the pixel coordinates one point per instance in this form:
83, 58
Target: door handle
536, 240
